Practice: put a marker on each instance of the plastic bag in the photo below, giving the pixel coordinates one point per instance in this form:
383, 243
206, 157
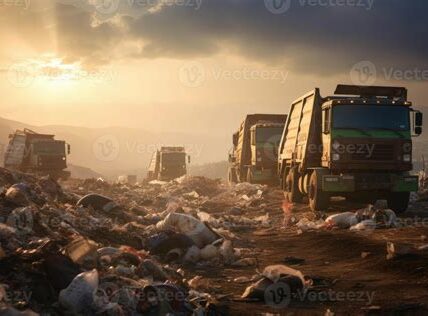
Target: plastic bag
78, 296
192, 227
342, 220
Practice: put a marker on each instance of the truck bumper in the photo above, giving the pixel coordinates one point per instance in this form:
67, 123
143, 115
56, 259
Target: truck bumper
370, 182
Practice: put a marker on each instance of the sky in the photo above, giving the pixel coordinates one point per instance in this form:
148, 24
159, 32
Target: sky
199, 66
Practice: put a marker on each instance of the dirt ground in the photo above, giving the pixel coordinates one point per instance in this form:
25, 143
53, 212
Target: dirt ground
352, 285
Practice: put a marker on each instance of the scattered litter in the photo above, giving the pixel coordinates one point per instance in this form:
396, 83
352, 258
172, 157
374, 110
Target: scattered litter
78, 296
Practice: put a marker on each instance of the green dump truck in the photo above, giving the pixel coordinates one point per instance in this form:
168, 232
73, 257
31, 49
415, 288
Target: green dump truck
36, 153
254, 155
168, 163
356, 144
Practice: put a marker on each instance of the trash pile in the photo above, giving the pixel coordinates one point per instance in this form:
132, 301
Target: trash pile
90, 247
369, 218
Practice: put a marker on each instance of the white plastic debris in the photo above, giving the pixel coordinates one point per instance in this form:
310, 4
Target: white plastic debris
274, 272
305, 224
342, 220
209, 252
367, 224
192, 227
78, 296
199, 283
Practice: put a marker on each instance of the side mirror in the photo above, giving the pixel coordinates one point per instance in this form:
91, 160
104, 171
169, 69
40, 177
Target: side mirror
326, 121
68, 149
418, 130
418, 119
188, 159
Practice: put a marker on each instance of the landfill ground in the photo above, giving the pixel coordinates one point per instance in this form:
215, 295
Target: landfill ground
396, 286
52, 232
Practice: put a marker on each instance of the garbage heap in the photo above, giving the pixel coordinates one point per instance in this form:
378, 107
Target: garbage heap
90, 247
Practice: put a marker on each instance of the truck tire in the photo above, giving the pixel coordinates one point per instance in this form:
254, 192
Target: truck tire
292, 187
232, 176
398, 201
318, 200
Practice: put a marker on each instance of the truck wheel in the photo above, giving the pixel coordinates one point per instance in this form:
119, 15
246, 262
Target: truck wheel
250, 177
232, 176
398, 201
292, 187
318, 200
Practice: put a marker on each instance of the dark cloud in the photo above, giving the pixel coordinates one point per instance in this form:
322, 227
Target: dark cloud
320, 38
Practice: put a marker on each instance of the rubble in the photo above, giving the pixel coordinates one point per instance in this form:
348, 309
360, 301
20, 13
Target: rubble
92, 247
102, 248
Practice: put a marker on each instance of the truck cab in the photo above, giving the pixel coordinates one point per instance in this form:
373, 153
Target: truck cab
168, 163
265, 138
356, 144
41, 154
255, 149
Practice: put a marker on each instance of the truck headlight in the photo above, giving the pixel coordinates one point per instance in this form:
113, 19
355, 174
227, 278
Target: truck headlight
336, 157
407, 158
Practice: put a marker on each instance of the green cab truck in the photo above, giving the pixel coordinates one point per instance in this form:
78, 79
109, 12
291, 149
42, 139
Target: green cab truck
40, 154
356, 144
254, 155
168, 163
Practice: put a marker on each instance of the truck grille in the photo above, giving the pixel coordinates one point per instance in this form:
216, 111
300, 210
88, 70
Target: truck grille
52, 161
378, 152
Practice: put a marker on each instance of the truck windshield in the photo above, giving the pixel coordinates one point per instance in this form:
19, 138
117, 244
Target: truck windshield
368, 117
269, 135
57, 148
174, 158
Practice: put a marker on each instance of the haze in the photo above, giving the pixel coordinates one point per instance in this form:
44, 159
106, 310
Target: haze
195, 68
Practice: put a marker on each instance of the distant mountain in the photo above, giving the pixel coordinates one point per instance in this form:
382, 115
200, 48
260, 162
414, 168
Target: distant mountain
119, 150
210, 170
79, 172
